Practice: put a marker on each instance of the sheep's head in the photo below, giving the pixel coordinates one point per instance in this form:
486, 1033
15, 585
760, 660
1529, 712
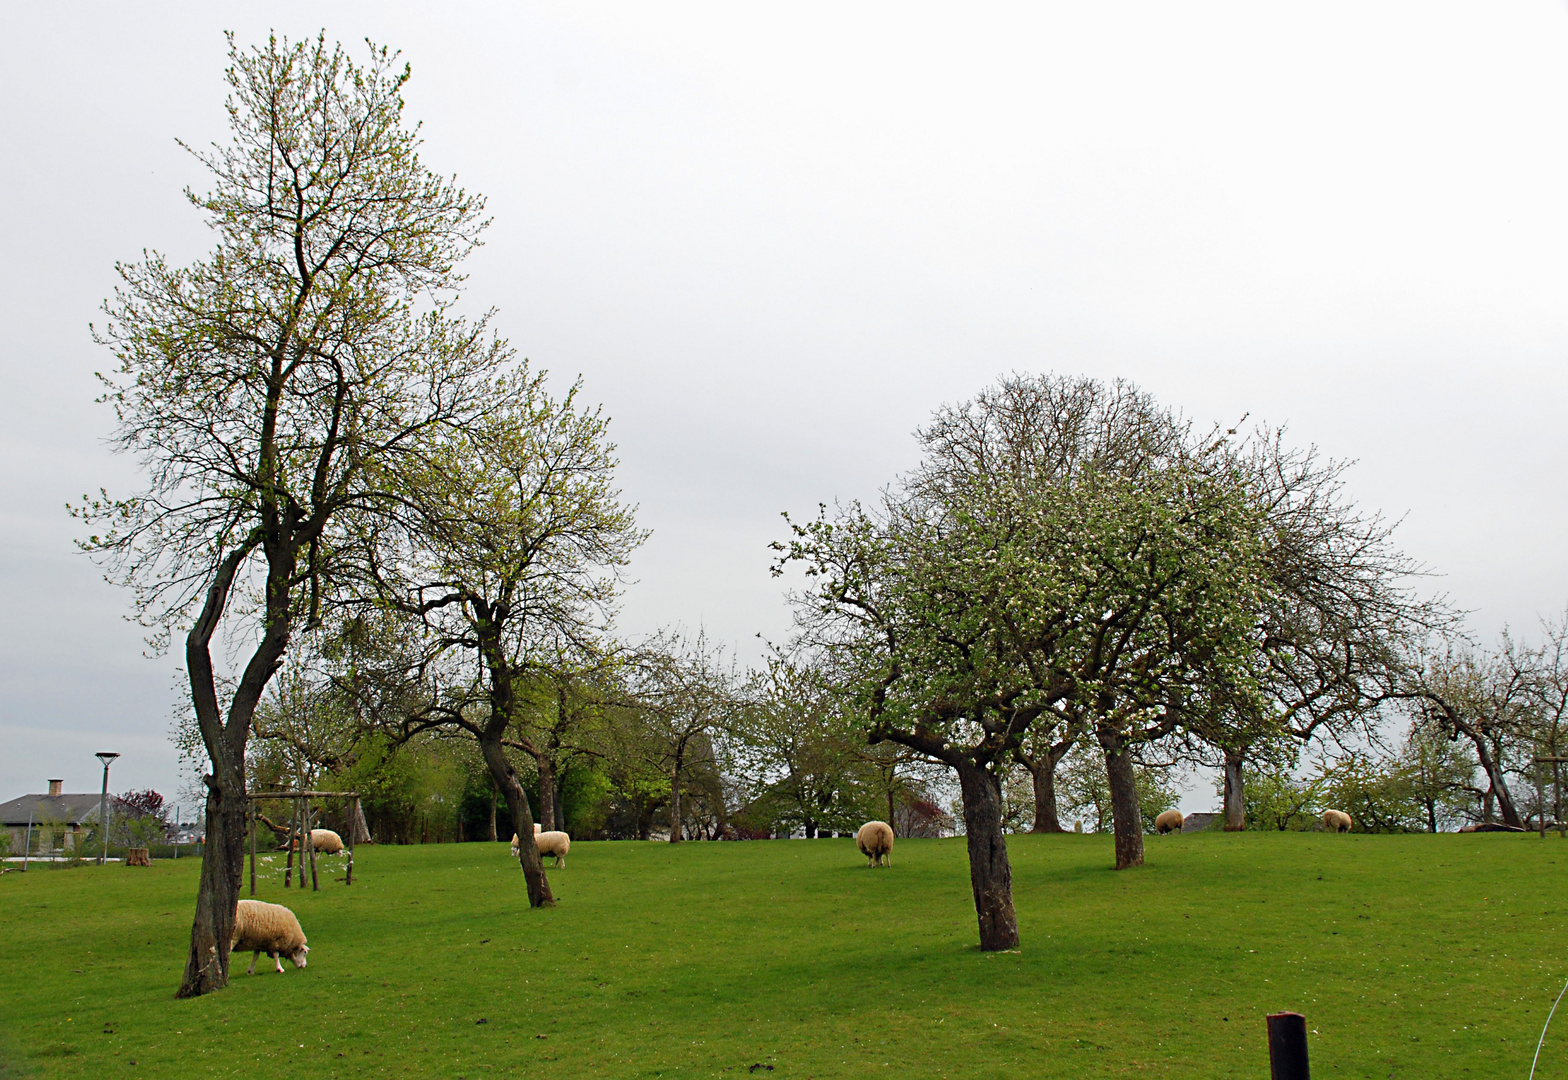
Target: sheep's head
298, 955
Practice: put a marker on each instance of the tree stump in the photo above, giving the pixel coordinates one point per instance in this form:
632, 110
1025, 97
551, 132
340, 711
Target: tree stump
137, 856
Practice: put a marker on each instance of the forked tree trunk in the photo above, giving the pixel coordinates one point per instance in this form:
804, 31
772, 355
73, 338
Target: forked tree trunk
1235, 794
1499, 785
223, 861
1045, 814
1126, 815
1042, 769
990, 874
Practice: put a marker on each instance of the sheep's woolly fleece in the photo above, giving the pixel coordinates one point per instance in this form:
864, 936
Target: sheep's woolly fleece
875, 841
327, 841
1337, 821
260, 927
553, 843
1170, 821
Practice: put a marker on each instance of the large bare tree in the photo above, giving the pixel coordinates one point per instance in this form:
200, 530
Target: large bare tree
681, 693
1337, 617
258, 387
1490, 699
507, 548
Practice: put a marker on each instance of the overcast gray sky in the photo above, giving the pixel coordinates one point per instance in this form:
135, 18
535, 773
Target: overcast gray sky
772, 240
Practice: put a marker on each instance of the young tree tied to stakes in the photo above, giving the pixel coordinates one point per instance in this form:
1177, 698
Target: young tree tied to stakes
260, 387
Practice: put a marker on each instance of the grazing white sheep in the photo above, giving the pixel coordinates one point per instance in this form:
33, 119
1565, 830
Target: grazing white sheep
875, 841
1170, 821
268, 928
517, 847
325, 840
553, 843
1337, 821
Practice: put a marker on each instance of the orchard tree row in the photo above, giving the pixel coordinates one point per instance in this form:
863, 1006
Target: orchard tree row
349, 483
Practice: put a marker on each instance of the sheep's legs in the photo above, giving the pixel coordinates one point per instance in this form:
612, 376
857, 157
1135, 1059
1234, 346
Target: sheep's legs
276, 961
253, 959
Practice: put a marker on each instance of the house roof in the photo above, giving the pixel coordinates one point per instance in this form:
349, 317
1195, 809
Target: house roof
69, 809
1194, 822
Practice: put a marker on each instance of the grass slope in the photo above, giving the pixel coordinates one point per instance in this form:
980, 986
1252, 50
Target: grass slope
1411, 956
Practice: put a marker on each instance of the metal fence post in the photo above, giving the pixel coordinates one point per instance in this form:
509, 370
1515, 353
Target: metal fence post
1288, 1046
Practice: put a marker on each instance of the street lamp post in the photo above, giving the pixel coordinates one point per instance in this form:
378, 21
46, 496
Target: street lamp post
103, 806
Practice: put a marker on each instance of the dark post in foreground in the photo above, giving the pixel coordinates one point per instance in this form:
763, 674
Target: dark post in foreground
1287, 1046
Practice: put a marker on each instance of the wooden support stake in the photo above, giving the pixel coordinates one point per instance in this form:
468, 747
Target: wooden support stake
310, 845
1540, 800
251, 807
289, 840
353, 832
1288, 1046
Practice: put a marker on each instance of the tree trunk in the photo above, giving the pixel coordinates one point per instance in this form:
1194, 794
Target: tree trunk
1045, 818
560, 808
675, 803
1043, 770
1498, 788
1235, 793
490, 831
506, 782
1126, 816
546, 792
990, 874
223, 860
218, 893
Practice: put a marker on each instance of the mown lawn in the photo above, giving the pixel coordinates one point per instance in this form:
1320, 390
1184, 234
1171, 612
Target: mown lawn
1411, 956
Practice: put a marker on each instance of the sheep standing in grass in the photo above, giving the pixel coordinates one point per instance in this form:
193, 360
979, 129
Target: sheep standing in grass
553, 843
268, 928
875, 841
1337, 821
326, 841
1170, 821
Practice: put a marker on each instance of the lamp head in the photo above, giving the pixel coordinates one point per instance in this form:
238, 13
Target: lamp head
105, 756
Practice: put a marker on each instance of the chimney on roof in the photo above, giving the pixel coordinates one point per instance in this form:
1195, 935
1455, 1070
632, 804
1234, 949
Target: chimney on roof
54, 786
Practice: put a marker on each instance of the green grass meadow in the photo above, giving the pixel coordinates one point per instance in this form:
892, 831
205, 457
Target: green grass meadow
1411, 956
